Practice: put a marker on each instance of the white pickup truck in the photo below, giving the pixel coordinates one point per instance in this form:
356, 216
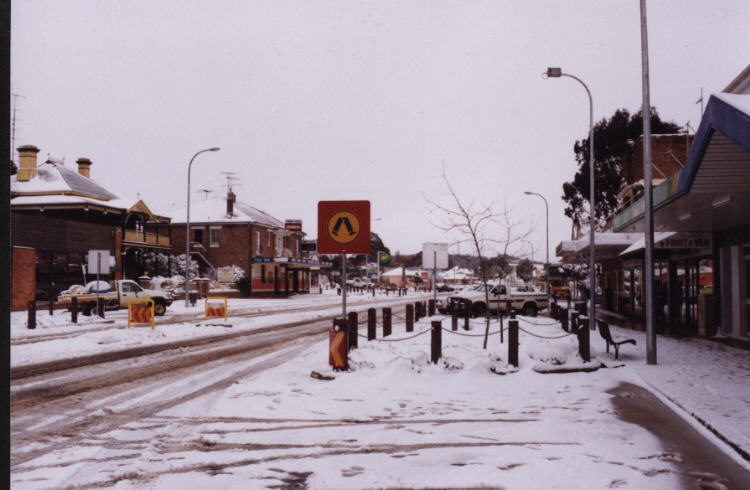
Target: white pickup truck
525, 300
115, 296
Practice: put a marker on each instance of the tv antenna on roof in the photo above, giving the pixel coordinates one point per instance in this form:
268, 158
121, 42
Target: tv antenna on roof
231, 180
13, 125
206, 192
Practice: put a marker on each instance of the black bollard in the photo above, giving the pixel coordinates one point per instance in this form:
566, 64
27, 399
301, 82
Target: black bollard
371, 323
467, 315
353, 330
417, 312
386, 322
409, 318
454, 320
74, 310
564, 319
431, 307
574, 321
437, 341
100, 308
584, 348
31, 322
513, 342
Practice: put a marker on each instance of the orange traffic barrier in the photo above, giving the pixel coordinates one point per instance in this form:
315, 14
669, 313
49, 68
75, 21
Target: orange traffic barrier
141, 310
216, 309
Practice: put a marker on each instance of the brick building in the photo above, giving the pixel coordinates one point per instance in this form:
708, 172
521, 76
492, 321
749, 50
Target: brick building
58, 214
226, 232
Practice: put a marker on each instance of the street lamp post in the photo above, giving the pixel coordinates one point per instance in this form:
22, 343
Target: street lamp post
557, 73
546, 264
187, 229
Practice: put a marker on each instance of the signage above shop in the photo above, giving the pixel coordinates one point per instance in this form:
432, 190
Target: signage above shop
682, 240
293, 225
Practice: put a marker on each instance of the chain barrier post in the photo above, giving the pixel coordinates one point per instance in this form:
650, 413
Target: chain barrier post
467, 314
513, 342
31, 322
417, 312
371, 324
386, 322
353, 330
437, 341
584, 348
564, 319
74, 309
409, 317
431, 307
100, 308
454, 320
509, 308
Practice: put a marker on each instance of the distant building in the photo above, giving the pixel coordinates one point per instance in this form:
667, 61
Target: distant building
58, 214
226, 232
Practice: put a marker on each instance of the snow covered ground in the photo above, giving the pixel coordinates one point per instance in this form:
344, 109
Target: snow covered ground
395, 420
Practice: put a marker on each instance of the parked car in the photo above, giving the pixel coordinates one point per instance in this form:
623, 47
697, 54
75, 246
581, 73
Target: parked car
115, 296
525, 300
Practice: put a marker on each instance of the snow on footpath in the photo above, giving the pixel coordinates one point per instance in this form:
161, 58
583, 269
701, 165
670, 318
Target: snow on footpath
55, 337
397, 421
708, 380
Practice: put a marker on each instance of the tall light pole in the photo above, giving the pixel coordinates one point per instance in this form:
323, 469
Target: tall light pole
546, 264
649, 211
187, 229
557, 73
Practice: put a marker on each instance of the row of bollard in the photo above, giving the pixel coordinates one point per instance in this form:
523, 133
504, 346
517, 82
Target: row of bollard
578, 325
74, 310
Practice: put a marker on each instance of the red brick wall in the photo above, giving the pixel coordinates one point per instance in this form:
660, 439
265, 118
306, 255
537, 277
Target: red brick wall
679, 144
23, 277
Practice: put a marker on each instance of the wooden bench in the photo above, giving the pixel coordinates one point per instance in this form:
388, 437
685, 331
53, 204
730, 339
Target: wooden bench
607, 336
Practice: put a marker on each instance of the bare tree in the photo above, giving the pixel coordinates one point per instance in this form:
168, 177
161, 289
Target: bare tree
474, 221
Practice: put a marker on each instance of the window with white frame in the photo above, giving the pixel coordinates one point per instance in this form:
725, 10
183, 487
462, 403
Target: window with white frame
214, 233
279, 244
257, 243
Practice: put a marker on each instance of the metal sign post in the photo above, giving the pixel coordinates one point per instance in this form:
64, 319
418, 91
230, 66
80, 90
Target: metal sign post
98, 268
343, 228
434, 275
98, 261
343, 286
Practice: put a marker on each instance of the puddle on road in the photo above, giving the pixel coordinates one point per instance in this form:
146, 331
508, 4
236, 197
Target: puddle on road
696, 459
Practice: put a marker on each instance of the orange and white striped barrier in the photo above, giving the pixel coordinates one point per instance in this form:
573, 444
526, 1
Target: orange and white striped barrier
216, 307
141, 310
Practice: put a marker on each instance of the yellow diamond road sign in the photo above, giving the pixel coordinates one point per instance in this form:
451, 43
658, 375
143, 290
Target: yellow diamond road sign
343, 227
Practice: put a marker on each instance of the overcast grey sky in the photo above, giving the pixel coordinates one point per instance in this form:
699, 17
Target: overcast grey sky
328, 100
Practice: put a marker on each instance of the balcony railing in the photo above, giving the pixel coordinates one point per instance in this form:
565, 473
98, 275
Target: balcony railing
147, 238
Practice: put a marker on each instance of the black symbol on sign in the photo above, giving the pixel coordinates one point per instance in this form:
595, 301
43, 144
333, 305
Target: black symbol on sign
345, 221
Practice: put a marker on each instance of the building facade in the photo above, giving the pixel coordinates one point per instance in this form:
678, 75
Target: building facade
225, 232
58, 214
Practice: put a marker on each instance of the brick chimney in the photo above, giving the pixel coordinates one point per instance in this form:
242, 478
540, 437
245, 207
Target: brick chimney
84, 167
27, 162
231, 198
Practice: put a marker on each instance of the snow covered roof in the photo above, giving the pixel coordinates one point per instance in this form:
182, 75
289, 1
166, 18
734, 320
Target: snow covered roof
55, 183
641, 242
214, 210
54, 176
